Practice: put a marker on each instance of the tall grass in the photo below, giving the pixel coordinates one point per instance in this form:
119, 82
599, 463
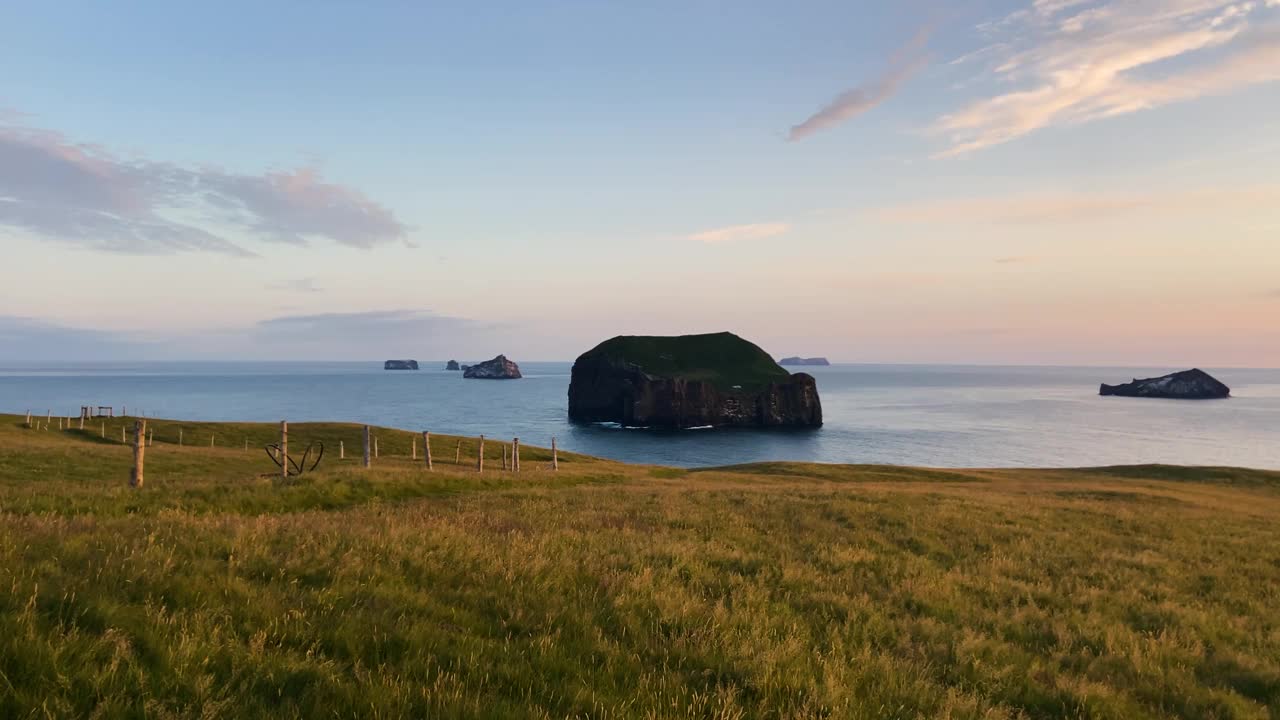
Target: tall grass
614, 591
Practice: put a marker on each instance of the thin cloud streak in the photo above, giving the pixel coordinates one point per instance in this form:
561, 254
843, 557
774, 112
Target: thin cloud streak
1079, 61
736, 233
905, 63
62, 191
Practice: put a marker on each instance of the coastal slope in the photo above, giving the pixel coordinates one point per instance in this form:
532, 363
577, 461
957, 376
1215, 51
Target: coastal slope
613, 590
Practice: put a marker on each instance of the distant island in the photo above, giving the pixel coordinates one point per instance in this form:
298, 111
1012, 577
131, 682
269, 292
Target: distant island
1194, 384
452, 365
818, 361
400, 365
499, 368
715, 380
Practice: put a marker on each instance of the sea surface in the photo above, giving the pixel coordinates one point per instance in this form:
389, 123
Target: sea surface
944, 416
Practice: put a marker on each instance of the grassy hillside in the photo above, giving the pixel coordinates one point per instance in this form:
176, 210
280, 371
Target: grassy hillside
720, 358
616, 591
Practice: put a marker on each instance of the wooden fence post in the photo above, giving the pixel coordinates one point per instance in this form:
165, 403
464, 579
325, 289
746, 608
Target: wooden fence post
414, 441
151, 437
480, 456
367, 462
122, 440
28, 418
342, 451
284, 450
515, 454
179, 437
457, 455
139, 452
375, 446
555, 457
48, 417
211, 440
104, 429
81, 421
426, 447
504, 456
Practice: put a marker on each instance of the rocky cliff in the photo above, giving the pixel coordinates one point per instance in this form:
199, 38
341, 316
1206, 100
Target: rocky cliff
452, 365
717, 380
499, 368
1187, 385
400, 365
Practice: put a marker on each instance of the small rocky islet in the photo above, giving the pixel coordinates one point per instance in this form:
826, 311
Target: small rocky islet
689, 381
400, 365
499, 368
1194, 384
803, 361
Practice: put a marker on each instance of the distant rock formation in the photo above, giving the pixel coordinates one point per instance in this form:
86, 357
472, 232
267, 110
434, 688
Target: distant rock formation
400, 365
804, 361
717, 380
452, 365
1187, 385
499, 368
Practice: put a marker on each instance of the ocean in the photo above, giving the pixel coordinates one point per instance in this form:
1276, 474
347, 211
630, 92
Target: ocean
932, 415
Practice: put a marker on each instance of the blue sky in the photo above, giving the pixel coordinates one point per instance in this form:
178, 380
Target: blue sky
1049, 181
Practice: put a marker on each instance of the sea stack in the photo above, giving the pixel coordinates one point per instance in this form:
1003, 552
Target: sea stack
400, 365
716, 380
499, 368
1187, 385
452, 365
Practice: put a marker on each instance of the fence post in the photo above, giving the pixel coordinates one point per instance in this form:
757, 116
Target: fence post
211, 440
151, 437
426, 447
414, 442
104, 429
504, 456
179, 437
342, 451
375, 446
81, 421
28, 418
457, 455
284, 450
139, 452
367, 462
515, 454
480, 456
122, 440
555, 457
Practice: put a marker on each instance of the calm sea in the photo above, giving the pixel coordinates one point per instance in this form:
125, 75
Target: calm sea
946, 416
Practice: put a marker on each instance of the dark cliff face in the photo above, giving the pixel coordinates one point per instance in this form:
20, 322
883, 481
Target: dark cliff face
452, 365
1187, 385
607, 388
400, 365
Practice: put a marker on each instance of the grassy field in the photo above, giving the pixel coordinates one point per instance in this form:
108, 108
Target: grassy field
619, 591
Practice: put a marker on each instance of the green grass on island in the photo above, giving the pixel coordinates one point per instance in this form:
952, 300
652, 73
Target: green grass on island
723, 359
607, 590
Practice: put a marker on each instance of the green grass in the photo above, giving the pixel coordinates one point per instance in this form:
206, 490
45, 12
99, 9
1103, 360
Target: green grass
616, 591
723, 359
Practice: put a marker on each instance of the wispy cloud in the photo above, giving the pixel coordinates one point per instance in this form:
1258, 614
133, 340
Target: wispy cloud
1076, 207
736, 233
60, 190
854, 102
1077, 61
25, 339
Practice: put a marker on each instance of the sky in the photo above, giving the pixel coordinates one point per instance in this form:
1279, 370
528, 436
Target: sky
993, 182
